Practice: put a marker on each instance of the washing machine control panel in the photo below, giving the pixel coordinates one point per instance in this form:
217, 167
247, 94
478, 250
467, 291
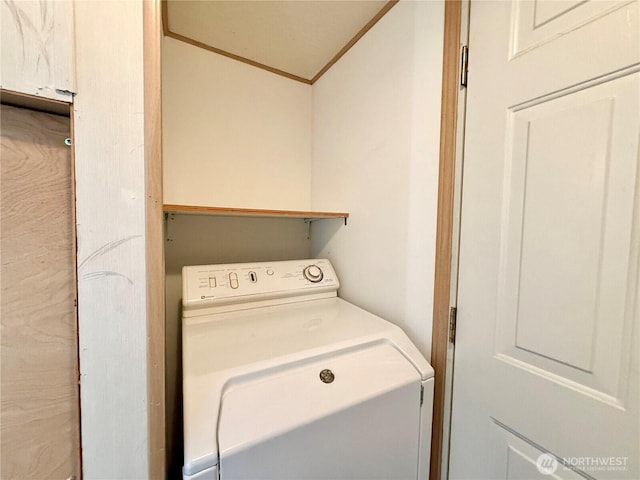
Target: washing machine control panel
205, 286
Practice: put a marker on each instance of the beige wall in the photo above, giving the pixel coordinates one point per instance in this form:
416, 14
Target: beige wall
234, 135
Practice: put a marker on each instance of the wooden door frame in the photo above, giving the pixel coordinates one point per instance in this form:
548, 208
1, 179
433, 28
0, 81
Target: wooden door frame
152, 31
444, 229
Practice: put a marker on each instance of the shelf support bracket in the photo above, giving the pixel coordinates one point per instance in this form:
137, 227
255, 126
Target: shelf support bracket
311, 220
166, 227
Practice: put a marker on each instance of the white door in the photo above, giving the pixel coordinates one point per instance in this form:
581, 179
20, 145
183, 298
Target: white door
546, 366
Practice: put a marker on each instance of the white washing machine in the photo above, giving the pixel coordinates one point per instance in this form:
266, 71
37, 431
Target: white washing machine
283, 380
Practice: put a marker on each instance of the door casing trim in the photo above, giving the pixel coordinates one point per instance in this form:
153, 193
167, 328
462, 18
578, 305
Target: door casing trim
445, 223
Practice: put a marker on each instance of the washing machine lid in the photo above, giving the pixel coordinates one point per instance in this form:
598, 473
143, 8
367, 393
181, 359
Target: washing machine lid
223, 349
333, 417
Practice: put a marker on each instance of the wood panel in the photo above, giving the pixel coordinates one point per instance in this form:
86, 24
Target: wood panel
155, 259
38, 48
39, 368
444, 232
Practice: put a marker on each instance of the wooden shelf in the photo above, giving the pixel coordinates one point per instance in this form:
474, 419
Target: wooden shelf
252, 212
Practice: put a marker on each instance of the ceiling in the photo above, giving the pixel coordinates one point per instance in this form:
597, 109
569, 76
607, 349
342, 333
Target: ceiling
297, 39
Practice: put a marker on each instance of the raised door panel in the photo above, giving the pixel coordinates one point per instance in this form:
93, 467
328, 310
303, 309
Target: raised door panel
525, 461
536, 22
570, 177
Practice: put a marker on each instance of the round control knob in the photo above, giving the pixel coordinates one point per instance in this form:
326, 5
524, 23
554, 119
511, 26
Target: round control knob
313, 273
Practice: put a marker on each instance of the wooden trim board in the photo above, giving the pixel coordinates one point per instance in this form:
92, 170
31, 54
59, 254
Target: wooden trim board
233, 56
165, 17
32, 102
155, 241
355, 39
309, 81
444, 229
251, 212
168, 33
75, 271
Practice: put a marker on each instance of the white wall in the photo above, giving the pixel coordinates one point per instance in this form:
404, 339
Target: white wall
376, 128
234, 135
110, 209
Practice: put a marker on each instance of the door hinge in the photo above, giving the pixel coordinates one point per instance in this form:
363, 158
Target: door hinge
421, 394
453, 317
464, 65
